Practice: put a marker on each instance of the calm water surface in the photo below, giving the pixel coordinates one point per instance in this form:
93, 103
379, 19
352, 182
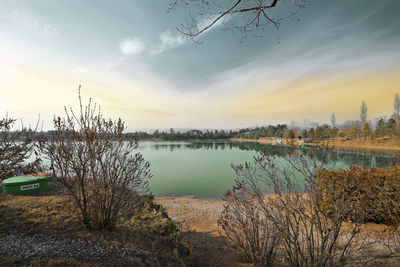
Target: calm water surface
203, 169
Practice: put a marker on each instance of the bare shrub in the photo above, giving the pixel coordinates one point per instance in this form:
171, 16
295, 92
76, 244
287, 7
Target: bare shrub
16, 148
98, 168
245, 224
308, 235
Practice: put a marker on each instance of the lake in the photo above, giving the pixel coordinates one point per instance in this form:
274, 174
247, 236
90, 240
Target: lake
203, 169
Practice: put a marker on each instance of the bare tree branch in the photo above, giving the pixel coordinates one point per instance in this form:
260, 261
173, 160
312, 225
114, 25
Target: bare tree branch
255, 10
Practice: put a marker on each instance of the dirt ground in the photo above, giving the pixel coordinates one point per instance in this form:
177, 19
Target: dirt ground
201, 233
200, 229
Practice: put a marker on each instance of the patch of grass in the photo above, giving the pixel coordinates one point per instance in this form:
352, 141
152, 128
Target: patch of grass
147, 229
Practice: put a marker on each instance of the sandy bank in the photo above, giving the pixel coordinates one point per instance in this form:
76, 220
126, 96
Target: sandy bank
380, 146
195, 214
200, 230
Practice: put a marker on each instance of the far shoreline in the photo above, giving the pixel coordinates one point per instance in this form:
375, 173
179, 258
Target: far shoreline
387, 147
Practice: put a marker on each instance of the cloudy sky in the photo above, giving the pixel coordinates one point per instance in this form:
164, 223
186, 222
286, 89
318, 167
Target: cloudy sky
129, 57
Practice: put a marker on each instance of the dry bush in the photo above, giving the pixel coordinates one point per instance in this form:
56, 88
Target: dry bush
16, 148
306, 234
245, 224
374, 193
99, 169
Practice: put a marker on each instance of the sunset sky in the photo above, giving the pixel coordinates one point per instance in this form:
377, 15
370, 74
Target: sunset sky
129, 57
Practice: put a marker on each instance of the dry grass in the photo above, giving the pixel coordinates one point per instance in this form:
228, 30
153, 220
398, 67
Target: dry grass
21, 212
150, 231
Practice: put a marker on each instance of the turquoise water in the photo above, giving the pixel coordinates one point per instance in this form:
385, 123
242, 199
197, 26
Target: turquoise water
203, 169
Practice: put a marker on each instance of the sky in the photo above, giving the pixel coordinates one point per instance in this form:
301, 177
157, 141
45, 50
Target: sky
130, 59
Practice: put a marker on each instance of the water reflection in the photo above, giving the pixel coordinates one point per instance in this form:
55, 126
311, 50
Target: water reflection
337, 158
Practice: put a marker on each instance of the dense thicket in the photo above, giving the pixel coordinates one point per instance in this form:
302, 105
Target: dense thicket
373, 195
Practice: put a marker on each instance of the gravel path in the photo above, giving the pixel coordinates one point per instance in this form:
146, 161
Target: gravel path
39, 246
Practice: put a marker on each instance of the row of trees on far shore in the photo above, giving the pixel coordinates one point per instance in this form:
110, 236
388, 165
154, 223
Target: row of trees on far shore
381, 128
